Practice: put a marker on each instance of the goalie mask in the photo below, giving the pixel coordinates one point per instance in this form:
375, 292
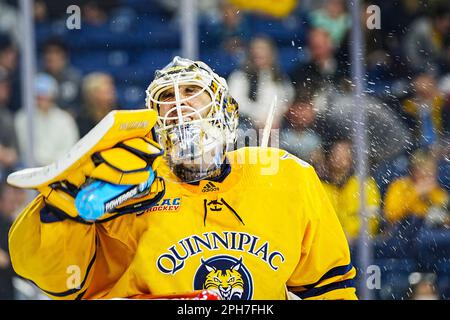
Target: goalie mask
197, 118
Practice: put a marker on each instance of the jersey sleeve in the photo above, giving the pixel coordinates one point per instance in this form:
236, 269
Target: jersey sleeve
324, 270
68, 259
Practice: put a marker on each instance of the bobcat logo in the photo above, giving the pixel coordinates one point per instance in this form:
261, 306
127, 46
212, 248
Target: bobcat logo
226, 276
227, 283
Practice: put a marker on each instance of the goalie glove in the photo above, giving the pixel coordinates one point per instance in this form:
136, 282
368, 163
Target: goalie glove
119, 150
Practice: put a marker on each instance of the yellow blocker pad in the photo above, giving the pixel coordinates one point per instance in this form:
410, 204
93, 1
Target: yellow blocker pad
116, 127
129, 162
118, 150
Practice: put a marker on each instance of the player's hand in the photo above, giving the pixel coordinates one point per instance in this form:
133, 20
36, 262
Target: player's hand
119, 150
129, 163
425, 186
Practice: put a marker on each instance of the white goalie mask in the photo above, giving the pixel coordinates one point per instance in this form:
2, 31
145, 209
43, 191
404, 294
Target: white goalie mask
197, 118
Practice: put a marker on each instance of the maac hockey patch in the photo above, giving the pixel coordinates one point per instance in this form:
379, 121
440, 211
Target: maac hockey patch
168, 204
226, 276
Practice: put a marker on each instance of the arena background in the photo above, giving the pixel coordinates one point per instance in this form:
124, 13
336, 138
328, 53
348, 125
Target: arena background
363, 93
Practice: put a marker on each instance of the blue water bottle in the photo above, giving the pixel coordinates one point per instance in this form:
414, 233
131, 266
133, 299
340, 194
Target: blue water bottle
100, 197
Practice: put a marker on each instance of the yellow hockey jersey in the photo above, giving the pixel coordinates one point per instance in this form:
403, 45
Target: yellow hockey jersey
266, 228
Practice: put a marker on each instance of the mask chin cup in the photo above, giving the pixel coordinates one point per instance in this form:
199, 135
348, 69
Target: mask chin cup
194, 151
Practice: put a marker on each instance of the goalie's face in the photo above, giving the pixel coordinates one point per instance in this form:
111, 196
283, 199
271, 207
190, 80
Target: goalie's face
190, 129
197, 117
194, 100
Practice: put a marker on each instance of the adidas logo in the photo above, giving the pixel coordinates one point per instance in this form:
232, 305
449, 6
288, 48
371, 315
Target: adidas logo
210, 187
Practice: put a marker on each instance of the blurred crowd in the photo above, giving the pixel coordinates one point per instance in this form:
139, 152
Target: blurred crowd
407, 98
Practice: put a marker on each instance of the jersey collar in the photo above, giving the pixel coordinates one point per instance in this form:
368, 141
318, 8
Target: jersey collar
229, 177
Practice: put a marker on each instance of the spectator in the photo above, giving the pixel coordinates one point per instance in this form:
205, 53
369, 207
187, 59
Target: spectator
10, 204
230, 30
418, 194
48, 10
333, 18
425, 42
99, 94
40, 11
342, 188
9, 20
8, 139
425, 108
56, 63
96, 12
320, 72
424, 287
9, 62
384, 62
259, 81
301, 133
55, 131
8, 54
